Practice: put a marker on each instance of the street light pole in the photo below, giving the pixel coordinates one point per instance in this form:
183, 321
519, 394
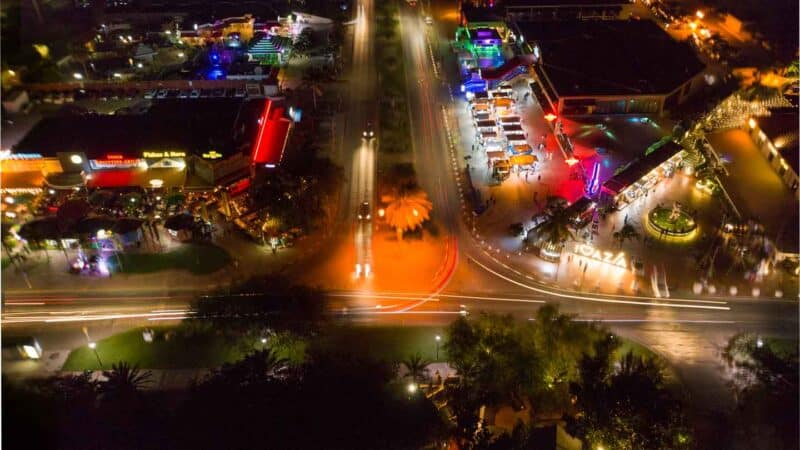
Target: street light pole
438, 339
93, 346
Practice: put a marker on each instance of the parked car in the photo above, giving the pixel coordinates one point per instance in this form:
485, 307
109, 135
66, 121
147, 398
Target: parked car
162, 93
240, 92
219, 92
183, 94
150, 94
173, 93
195, 93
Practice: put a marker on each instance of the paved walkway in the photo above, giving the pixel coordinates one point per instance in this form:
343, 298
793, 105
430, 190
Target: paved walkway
522, 195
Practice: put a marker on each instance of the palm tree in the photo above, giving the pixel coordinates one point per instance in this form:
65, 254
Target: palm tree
556, 230
627, 232
408, 211
124, 380
417, 367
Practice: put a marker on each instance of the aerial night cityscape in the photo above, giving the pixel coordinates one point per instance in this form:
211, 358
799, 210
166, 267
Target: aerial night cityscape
400, 224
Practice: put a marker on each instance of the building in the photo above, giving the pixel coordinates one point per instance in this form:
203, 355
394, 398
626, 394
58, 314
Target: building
636, 178
229, 28
608, 67
558, 10
199, 143
776, 136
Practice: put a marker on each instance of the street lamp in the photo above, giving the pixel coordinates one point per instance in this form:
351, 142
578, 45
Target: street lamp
93, 346
77, 76
700, 14
412, 388
438, 339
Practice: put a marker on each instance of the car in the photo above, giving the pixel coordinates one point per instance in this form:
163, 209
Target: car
162, 93
240, 92
230, 92
173, 93
364, 211
368, 131
195, 93
150, 94
69, 96
58, 98
205, 93
183, 94
219, 92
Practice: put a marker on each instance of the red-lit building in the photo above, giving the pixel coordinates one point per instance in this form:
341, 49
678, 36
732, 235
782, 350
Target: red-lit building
198, 144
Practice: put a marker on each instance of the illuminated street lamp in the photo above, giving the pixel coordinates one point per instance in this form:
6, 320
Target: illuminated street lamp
77, 76
438, 339
381, 212
412, 388
700, 14
93, 346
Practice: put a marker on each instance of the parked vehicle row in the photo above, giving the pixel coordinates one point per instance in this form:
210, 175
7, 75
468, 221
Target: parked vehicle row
70, 96
195, 93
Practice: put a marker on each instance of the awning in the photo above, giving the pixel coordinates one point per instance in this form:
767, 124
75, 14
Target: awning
523, 149
523, 160
496, 154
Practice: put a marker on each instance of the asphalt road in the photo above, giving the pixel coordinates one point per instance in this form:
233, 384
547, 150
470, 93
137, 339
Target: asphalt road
688, 332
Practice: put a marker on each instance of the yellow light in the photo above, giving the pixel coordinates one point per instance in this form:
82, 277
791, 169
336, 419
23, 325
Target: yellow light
693, 26
752, 123
571, 161
381, 212
76, 159
700, 14
12, 73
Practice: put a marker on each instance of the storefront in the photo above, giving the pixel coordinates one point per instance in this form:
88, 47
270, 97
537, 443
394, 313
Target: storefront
643, 174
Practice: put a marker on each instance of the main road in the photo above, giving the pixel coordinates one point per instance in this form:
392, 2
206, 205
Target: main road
689, 332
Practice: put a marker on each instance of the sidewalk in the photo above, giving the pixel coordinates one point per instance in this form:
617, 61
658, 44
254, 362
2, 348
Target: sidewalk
521, 196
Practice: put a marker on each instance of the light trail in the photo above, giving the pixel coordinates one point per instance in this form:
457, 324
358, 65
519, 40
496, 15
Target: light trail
598, 300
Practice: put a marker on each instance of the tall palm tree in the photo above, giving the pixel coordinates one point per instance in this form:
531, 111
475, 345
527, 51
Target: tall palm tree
627, 232
409, 210
417, 367
556, 230
124, 380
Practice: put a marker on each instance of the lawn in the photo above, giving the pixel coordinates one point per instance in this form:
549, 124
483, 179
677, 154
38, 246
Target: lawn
169, 350
199, 259
211, 350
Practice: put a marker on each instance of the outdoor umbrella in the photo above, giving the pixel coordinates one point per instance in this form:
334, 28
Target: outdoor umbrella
179, 222
91, 225
126, 225
40, 229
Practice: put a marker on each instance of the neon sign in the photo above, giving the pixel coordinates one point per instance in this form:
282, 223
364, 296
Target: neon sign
589, 251
213, 154
594, 181
164, 154
114, 163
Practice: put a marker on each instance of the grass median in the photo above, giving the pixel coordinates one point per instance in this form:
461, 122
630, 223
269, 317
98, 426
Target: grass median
198, 259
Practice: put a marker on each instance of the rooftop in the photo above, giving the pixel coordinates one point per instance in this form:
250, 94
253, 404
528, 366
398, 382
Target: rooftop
633, 57
562, 3
196, 126
781, 129
474, 14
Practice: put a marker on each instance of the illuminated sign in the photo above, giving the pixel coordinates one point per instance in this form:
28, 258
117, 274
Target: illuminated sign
113, 163
114, 156
6, 154
589, 251
213, 154
594, 181
163, 154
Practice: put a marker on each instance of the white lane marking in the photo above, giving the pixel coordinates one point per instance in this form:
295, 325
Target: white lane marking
597, 300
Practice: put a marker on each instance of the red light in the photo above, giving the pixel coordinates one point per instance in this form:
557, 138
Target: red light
550, 117
113, 156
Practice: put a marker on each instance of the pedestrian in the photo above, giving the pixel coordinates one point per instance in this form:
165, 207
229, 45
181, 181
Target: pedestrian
539, 177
